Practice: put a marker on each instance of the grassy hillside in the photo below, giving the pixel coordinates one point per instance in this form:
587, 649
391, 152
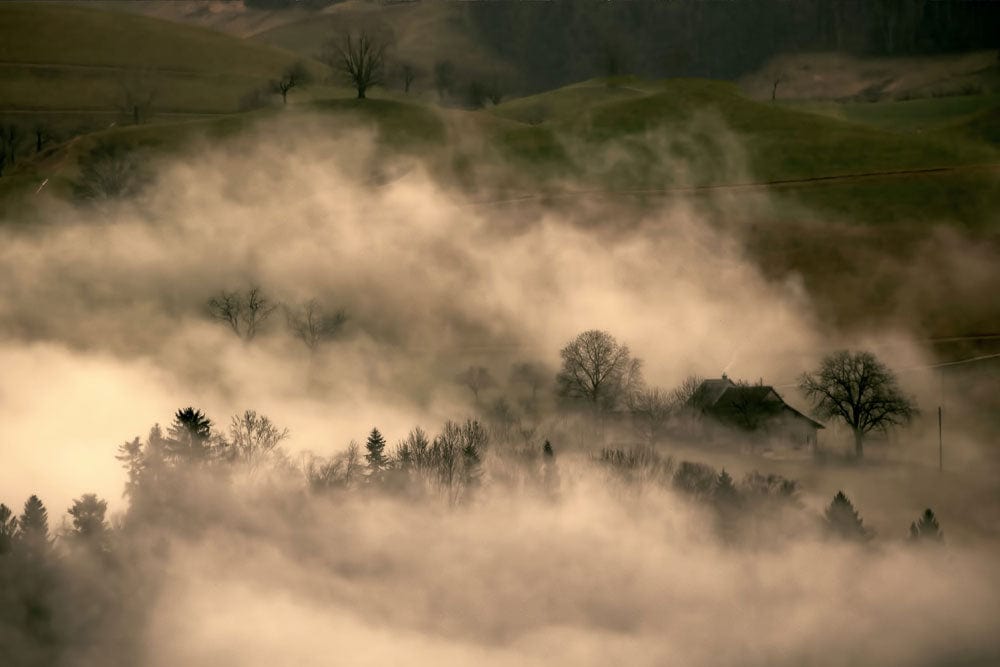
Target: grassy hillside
70, 60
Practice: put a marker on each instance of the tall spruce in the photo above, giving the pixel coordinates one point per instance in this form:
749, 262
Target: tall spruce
375, 457
33, 524
8, 528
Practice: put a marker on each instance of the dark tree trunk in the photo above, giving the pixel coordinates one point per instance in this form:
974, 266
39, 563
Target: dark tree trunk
361, 92
284, 96
859, 447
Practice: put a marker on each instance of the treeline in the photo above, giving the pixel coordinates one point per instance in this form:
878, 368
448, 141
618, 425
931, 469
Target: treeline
555, 43
78, 594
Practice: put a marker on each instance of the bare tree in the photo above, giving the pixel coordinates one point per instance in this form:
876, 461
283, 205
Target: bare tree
598, 369
860, 390
294, 76
137, 91
254, 439
686, 390
530, 374
360, 58
651, 408
476, 378
408, 73
111, 170
11, 139
312, 324
244, 313
444, 78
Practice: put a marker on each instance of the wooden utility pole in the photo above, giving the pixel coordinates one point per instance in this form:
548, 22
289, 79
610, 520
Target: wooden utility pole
940, 444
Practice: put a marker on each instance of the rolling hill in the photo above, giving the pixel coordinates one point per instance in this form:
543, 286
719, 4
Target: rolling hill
74, 64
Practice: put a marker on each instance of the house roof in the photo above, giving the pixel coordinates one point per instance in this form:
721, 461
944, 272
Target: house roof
724, 398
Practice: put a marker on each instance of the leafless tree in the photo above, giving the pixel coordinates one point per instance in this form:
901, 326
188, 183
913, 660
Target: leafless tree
11, 139
651, 408
295, 76
243, 312
686, 390
476, 378
330, 473
444, 78
530, 374
137, 91
408, 73
312, 324
598, 369
860, 390
254, 439
361, 58
111, 170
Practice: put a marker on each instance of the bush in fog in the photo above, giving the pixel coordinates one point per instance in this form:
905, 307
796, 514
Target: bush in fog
111, 170
637, 465
695, 479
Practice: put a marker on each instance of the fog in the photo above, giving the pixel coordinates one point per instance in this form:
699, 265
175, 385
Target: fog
106, 331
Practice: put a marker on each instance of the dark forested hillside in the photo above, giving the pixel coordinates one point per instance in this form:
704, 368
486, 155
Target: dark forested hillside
552, 43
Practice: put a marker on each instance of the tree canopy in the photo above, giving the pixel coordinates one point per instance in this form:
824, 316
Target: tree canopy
860, 390
598, 369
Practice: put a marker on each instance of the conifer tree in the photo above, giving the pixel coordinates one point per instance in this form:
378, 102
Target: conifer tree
926, 528
724, 492
8, 528
376, 452
33, 524
190, 436
843, 521
88, 513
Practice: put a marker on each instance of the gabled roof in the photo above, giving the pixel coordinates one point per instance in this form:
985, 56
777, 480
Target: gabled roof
726, 399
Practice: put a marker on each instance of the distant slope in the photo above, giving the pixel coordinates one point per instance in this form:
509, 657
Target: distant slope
59, 58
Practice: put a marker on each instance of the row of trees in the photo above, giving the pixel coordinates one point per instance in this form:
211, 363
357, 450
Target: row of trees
246, 312
599, 372
746, 508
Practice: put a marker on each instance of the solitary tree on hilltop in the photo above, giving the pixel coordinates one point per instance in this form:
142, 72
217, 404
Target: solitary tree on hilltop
860, 390
361, 58
598, 369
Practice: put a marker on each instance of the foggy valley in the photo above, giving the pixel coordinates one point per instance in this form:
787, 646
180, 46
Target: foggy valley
374, 333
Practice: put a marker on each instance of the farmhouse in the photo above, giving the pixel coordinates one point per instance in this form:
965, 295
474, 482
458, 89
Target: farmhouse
726, 408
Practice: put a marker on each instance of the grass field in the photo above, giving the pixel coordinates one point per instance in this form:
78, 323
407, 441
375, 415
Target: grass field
74, 61
811, 180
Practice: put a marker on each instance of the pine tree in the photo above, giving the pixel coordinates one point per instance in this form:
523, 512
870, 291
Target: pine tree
88, 513
843, 521
190, 436
8, 528
33, 524
926, 528
724, 493
376, 452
